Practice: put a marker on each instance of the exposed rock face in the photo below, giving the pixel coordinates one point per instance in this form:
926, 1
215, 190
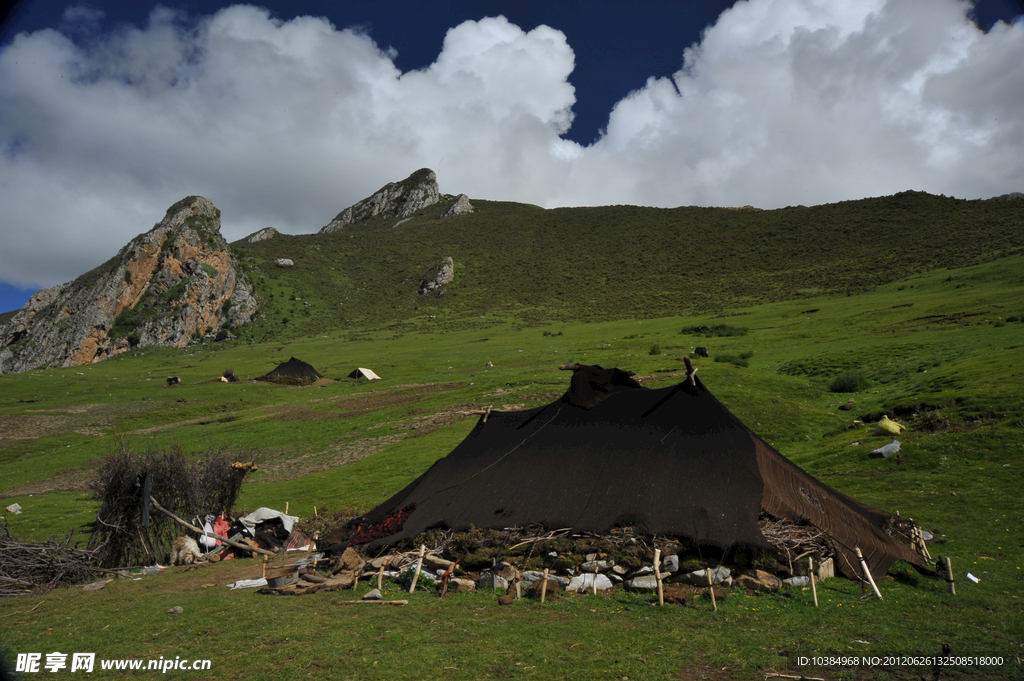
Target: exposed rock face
160, 289
460, 206
437, 277
1012, 196
393, 200
262, 235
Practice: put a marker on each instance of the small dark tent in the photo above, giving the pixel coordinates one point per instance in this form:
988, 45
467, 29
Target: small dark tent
667, 461
293, 370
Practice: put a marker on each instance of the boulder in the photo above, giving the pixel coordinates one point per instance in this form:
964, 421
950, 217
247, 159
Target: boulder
284, 262
758, 580
596, 566
670, 564
461, 584
533, 591
491, 582
531, 576
374, 595
585, 583
643, 584
437, 277
700, 577
460, 206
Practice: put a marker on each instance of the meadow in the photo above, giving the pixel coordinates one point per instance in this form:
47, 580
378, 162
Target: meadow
930, 324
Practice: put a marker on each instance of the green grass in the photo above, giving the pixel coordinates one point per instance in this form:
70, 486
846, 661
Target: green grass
934, 342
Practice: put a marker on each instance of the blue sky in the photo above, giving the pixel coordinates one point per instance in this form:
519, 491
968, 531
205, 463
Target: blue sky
284, 114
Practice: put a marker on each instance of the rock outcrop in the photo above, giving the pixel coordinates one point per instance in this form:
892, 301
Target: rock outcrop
1012, 196
393, 200
459, 206
437, 277
162, 288
262, 235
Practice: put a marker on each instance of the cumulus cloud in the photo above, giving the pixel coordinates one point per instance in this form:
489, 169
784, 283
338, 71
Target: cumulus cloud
285, 123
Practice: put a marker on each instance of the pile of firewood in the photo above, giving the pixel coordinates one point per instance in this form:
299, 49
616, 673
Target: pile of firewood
26, 567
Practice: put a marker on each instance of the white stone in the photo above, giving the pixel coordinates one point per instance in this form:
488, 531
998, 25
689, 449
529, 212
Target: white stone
585, 583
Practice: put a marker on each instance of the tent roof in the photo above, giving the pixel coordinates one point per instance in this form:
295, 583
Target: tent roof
364, 373
294, 368
668, 461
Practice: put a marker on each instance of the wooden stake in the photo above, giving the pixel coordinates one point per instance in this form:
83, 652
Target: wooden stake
867, 573
486, 415
657, 576
594, 583
544, 586
519, 589
419, 564
265, 559
949, 571
380, 575
814, 589
711, 586
286, 508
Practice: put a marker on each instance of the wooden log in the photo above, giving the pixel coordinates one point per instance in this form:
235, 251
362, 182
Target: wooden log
949, 571
657, 576
544, 586
373, 602
814, 589
419, 564
229, 542
488, 413
867, 573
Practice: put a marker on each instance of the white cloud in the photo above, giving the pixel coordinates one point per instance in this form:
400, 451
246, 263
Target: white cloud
286, 123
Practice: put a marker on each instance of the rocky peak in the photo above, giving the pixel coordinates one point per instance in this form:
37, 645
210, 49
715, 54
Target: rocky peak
393, 200
262, 235
460, 205
163, 287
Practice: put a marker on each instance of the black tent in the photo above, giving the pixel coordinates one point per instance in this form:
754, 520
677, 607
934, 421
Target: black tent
292, 370
668, 461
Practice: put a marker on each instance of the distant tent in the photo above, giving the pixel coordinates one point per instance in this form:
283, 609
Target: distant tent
364, 373
668, 461
292, 371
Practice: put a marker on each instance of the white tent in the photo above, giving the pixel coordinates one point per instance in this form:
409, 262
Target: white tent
364, 373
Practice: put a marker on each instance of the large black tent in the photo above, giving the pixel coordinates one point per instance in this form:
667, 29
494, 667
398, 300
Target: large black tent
291, 371
668, 461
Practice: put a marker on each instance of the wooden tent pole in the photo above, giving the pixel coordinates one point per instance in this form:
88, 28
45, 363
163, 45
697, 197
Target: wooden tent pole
867, 573
419, 564
657, 576
814, 589
711, 588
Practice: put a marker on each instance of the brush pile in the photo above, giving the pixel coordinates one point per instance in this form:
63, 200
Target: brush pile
188, 486
26, 567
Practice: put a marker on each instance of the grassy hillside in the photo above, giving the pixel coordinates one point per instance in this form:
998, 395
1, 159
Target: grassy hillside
514, 261
913, 292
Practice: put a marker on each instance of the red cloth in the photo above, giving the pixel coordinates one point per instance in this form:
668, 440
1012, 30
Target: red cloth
221, 526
